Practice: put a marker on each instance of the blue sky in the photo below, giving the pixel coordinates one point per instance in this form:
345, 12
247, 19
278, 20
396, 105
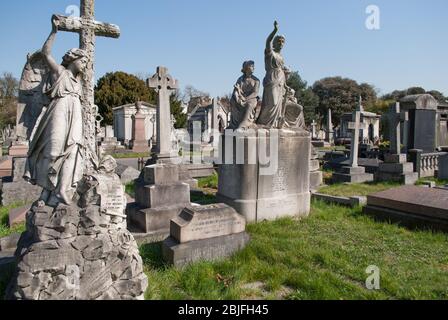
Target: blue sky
204, 42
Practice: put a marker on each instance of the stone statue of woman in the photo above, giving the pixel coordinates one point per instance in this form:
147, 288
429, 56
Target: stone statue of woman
245, 98
54, 159
274, 82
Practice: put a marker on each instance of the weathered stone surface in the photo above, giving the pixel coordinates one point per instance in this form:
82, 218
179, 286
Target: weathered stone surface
9, 242
208, 249
77, 253
352, 175
154, 219
18, 215
161, 174
127, 174
199, 223
316, 179
411, 206
258, 197
19, 192
153, 196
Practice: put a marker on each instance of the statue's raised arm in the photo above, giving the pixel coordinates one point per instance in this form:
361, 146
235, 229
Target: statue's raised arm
271, 36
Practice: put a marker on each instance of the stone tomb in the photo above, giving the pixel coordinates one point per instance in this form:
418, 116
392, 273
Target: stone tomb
205, 233
268, 196
411, 206
159, 197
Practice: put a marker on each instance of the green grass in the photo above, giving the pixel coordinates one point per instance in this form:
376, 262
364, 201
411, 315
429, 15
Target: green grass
321, 257
130, 189
356, 189
127, 155
209, 182
5, 230
439, 182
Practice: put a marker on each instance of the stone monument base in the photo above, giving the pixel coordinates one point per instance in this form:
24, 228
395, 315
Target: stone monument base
159, 197
396, 168
352, 175
279, 189
69, 253
205, 233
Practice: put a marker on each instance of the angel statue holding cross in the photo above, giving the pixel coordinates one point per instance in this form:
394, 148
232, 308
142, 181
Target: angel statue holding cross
55, 160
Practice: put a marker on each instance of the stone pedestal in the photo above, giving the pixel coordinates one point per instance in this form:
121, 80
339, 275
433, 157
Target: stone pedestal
267, 192
139, 143
205, 233
352, 175
396, 168
159, 197
80, 252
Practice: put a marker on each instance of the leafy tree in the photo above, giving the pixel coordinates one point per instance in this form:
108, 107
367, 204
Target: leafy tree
9, 87
438, 96
177, 111
118, 88
341, 95
305, 96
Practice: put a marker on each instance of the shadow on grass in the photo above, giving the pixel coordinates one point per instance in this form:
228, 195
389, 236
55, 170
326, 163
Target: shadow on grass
203, 199
152, 255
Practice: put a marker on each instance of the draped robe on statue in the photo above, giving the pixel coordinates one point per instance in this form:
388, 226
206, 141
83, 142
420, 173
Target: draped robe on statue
54, 158
274, 90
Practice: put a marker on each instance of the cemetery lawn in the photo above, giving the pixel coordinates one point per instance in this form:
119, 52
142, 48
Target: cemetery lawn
356, 189
324, 256
5, 230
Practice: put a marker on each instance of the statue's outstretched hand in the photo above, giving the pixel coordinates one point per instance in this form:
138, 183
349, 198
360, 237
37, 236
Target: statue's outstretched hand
276, 26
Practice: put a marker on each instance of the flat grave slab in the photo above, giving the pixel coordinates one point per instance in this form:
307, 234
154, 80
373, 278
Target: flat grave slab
411, 206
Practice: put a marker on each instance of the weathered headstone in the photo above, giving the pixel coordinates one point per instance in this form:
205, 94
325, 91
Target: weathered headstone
138, 142
316, 175
395, 167
313, 130
205, 233
159, 197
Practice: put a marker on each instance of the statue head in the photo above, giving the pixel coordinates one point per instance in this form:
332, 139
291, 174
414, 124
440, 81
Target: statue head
279, 43
138, 106
248, 67
75, 59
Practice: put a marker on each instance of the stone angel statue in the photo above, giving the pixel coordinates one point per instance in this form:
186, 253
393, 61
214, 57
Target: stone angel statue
55, 160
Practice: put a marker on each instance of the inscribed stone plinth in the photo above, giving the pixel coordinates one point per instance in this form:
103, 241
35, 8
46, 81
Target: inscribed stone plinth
260, 197
205, 233
159, 197
411, 206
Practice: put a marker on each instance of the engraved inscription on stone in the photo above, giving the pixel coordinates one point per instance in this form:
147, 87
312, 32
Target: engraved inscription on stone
206, 222
279, 181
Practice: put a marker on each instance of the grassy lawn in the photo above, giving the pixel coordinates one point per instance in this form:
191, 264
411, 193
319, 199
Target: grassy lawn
439, 182
356, 189
321, 257
210, 182
5, 230
128, 155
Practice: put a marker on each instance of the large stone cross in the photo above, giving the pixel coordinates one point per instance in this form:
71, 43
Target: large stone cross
355, 126
396, 117
88, 29
164, 85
